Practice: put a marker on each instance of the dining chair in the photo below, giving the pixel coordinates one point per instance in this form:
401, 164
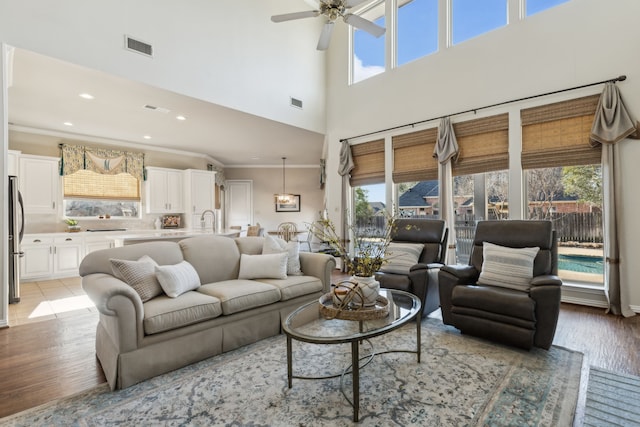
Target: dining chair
287, 231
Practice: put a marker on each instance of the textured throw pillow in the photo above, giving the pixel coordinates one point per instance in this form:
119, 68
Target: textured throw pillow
507, 267
140, 275
270, 266
401, 257
178, 278
275, 245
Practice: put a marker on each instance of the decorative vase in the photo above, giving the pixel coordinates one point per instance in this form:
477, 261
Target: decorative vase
368, 288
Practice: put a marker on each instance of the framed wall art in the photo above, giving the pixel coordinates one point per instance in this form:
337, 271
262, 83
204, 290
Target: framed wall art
292, 206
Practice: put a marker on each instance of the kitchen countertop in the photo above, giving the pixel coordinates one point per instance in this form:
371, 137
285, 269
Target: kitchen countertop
129, 238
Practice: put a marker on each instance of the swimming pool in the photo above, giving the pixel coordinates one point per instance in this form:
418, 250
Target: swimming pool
581, 263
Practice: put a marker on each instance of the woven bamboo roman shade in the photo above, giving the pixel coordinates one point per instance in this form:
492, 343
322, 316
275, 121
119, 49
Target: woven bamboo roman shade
484, 145
368, 160
87, 184
413, 156
558, 134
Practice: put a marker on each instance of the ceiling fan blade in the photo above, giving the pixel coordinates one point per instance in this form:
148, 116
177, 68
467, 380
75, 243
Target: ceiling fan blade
295, 15
353, 3
362, 24
325, 36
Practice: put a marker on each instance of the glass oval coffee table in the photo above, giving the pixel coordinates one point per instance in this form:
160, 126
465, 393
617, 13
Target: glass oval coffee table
308, 324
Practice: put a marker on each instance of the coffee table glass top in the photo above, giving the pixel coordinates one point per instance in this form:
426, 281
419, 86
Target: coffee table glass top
308, 324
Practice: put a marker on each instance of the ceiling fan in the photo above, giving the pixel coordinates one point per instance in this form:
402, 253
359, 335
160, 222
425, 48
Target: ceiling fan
332, 9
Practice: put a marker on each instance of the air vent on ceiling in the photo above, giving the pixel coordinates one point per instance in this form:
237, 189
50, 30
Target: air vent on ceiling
296, 102
154, 108
138, 46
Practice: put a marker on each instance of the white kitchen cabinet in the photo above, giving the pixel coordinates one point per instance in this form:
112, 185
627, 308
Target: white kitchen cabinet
48, 257
12, 162
164, 190
67, 254
200, 188
38, 257
91, 245
39, 183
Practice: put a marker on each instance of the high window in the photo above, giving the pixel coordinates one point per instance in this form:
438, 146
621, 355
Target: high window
470, 18
417, 29
369, 51
535, 6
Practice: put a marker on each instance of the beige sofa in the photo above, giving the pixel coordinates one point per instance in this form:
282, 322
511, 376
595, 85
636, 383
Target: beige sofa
137, 340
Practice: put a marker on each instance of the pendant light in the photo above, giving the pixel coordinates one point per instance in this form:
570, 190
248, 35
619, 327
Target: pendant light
284, 197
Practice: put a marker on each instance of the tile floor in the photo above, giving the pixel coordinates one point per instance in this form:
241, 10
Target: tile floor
49, 299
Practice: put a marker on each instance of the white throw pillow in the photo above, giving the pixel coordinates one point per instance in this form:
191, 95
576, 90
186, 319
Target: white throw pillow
276, 245
401, 257
270, 266
507, 267
178, 278
140, 275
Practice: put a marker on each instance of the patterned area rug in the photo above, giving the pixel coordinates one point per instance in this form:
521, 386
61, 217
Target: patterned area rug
462, 381
612, 399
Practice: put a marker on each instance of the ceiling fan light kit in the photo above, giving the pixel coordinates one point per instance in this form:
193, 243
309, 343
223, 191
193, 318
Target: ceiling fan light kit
332, 10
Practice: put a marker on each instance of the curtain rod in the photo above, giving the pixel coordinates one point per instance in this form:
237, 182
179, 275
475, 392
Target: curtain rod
475, 110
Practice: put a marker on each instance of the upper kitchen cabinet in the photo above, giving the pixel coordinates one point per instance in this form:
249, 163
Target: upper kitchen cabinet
199, 194
164, 190
39, 183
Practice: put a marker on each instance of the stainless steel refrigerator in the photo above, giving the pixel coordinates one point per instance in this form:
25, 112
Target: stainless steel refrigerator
16, 230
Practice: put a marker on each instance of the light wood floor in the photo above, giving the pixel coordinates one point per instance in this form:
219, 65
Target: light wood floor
50, 356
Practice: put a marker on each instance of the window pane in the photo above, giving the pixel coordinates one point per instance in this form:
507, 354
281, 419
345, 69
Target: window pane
535, 6
368, 53
571, 197
78, 208
417, 29
418, 199
481, 196
472, 17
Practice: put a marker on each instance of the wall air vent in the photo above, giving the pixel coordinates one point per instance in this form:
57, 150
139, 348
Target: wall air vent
138, 46
296, 103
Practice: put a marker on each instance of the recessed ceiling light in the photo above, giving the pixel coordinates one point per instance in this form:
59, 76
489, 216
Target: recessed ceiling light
147, 137
86, 96
181, 118
68, 124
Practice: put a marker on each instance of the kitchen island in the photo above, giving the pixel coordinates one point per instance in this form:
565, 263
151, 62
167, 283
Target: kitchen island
166, 234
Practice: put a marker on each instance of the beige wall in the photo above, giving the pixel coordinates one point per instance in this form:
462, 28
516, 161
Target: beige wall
268, 181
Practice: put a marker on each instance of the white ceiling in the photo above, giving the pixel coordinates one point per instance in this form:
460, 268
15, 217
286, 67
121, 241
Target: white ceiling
45, 94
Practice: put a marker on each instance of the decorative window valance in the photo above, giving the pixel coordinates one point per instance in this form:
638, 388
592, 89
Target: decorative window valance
100, 160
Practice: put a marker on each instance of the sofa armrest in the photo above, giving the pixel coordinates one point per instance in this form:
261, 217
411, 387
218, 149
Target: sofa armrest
318, 265
120, 307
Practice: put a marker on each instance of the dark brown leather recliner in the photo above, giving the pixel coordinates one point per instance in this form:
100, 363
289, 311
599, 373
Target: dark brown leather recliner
519, 318
422, 279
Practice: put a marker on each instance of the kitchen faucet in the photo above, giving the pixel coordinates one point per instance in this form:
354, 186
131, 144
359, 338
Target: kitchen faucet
213, 219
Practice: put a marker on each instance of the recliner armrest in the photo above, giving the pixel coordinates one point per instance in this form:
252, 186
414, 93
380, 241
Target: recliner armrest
547, 279
464, 273
422, 266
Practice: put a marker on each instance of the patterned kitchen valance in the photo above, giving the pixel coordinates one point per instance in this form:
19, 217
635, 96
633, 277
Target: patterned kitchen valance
100, 160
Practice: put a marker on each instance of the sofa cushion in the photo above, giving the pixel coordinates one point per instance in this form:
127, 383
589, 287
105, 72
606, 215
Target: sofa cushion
271, 266
178, 278
507, 267
164, 314
140, 275
295, 286
401, 257
274, 245
240, 295
250, 245
215, 258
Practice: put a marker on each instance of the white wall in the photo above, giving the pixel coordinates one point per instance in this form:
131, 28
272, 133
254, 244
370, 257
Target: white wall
228, 53
578, 42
